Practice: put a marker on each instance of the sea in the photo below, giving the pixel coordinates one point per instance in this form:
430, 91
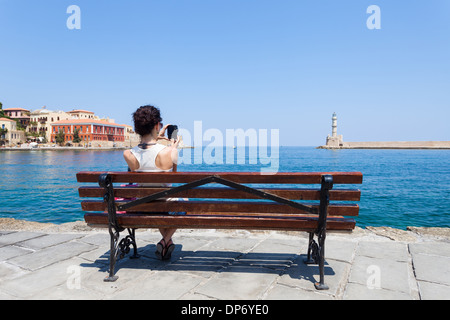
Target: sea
400, 187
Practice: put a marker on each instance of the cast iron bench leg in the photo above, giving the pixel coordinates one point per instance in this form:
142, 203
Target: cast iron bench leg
316, 251
120, 249
112, 257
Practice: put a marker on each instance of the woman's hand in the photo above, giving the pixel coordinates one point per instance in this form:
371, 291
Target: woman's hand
162, 133
175, 143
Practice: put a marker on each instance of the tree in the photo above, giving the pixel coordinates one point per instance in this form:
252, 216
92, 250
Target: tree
76, 136
3, 133
2, 113
60, 137
44, 137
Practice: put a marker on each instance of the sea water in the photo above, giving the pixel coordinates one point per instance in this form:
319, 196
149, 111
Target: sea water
400, 187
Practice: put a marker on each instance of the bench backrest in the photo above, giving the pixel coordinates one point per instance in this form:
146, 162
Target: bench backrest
232, 196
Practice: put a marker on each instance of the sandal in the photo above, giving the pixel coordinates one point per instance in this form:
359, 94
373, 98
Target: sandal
169, 249
160, 249
164, 251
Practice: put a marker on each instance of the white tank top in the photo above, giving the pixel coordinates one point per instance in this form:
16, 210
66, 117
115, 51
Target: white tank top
147, 158
147, 163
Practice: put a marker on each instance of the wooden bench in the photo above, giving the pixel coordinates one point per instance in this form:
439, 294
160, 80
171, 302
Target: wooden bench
236, 200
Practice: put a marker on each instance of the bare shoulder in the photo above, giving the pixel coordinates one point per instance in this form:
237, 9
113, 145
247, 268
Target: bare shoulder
128, 155
131, 160
164, 159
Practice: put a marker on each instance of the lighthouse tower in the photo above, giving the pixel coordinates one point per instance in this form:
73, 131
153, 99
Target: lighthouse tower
334, 125
335, 140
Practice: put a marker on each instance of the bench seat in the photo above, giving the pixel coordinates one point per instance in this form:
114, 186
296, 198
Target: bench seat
221, 200
225, 221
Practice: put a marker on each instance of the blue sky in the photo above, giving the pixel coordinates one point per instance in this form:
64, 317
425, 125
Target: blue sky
286, 64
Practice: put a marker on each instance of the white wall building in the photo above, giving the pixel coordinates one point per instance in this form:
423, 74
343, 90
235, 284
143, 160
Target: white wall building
41, 121
13, 136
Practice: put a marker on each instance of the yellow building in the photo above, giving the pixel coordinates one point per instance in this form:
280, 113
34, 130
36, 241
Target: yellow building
132, 139
13, 136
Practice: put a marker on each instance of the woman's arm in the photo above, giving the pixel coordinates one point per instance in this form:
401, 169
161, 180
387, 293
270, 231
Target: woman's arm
162, 133
168, 157
131, 160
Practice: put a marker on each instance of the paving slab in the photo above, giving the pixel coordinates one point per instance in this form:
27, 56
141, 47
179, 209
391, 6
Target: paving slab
433, 291
395, 251
436, 248
340, 250
303, 276
239, 282
381, 273
203, 263
435, 269
281, 292
356, 291
47, 240
11, 238
50, 255
222, 265
162, 285
8, 252
32, 283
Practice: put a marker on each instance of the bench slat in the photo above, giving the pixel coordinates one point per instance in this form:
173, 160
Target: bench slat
216, 206
219, 222
238, 177
224, 193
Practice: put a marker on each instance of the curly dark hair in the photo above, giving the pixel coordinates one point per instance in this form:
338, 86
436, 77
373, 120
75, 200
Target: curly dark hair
145, 119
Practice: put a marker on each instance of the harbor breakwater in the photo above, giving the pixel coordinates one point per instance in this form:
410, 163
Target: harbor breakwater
390, 145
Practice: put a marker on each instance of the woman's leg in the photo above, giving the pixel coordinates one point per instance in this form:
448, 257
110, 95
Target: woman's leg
165, 247
167, 234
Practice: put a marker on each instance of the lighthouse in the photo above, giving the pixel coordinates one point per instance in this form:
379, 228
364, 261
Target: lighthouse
334, 125
334, 141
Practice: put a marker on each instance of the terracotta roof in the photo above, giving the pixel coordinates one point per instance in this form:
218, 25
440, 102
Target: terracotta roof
6, 119
87, 121
11, 109
76, 111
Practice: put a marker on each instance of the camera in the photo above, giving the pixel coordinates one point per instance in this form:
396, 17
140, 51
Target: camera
172, 132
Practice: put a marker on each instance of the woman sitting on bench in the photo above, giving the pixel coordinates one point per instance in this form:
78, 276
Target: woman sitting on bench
151, 156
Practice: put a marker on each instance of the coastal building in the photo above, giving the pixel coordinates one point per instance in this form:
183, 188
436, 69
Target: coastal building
132, 139
41, 121
19, 114
11, 136
81, 114
95, 133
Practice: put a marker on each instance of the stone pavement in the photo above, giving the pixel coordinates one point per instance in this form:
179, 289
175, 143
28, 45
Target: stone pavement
224, 265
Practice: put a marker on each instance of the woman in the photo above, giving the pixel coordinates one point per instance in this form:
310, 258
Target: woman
150, 156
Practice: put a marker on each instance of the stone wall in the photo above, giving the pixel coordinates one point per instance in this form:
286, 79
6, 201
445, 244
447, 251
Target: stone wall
391, 145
